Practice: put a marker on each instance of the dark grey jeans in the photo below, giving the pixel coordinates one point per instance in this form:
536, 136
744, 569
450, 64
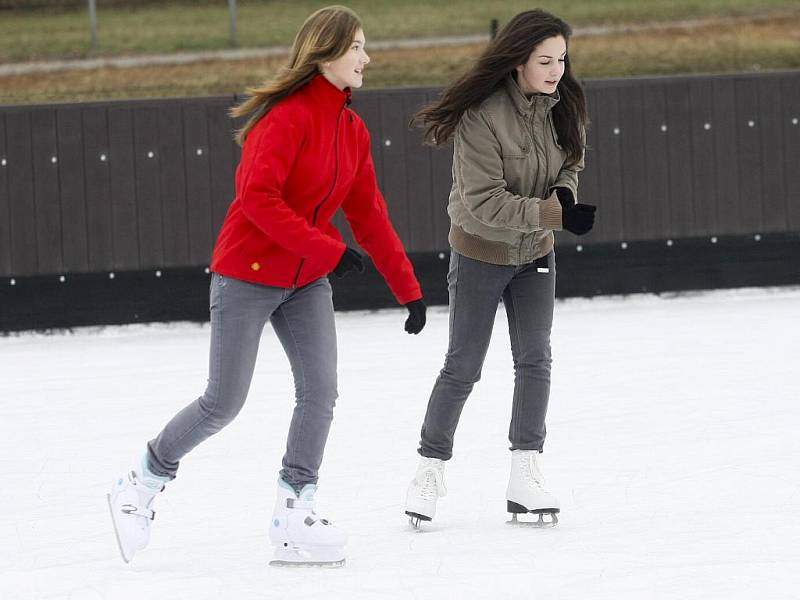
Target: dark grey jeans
475, 289
304, 323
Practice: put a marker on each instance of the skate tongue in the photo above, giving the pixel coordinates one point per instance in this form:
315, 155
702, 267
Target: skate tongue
304, 499
307, 493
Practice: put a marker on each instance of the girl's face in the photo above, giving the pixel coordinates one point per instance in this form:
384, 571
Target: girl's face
545, 67
348, 69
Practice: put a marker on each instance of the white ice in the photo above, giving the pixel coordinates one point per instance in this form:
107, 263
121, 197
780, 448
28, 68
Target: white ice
674, 439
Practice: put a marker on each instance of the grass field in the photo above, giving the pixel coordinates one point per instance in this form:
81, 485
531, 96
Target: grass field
757, 42
36, 35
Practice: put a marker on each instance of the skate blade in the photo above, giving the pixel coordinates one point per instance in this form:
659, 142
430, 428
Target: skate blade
296, 564
540, 523
116, 533
324, 557
415, 520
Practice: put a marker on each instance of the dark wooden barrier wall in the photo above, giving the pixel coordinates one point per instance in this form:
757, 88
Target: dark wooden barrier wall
136, 185
117, 186
109, 211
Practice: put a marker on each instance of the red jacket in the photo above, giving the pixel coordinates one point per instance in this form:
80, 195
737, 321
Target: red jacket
306, 158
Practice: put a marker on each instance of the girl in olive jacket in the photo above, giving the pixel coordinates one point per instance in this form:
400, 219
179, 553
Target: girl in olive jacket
517, 119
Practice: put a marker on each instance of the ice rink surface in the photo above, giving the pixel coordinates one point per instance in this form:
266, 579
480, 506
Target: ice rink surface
674, 446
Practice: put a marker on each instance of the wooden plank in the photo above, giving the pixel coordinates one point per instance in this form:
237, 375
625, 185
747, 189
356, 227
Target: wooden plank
123, 191
173, 185
5, 205
771, 128
633, 125
74, 235
656, 149
701, 101
195, 137
22, 209
441, 184
790, 92
749, 154
367, 106
679, 144
236, 149
724, 130
422, 228
610, 218
221, 160
45, 191
395, 171
148, 186
96, 161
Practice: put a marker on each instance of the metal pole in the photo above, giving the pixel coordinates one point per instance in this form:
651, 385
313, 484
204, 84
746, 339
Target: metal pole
232, 11
493, 28
93, 23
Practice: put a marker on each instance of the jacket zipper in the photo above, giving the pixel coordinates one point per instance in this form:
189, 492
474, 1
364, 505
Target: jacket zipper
543, 146
330, 191
531, 123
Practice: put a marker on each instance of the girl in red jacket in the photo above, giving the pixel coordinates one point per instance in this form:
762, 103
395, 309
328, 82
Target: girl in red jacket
305, 154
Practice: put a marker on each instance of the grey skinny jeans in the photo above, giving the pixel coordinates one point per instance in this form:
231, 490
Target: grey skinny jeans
475, 289
304, 323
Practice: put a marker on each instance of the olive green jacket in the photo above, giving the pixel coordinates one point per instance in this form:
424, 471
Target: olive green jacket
506, 158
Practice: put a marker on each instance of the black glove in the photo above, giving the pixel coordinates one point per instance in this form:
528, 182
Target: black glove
416, 316
565, 197
351, 261
578, 218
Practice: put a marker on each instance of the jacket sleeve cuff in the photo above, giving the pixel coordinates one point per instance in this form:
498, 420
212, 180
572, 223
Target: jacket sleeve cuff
550, 213
414, 293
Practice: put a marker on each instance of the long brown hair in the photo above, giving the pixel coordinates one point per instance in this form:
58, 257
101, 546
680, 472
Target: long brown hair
325, 36
511, 48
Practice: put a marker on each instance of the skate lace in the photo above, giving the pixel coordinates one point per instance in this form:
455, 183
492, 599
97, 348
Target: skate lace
431, 483
530, 470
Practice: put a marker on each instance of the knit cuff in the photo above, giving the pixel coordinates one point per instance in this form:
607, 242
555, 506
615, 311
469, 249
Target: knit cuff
550, 213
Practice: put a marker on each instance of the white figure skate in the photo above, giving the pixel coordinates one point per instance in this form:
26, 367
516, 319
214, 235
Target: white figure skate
424, 490
130, 503
527, 493
300, 536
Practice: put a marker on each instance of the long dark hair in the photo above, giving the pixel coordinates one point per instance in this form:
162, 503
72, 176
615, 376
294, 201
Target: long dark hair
511, 48
325, 36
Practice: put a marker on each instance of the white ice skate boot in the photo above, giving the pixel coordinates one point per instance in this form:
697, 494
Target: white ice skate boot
300, 536
130, 502
423, 491
526, 490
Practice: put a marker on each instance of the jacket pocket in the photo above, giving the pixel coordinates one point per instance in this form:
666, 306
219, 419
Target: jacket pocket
516, 150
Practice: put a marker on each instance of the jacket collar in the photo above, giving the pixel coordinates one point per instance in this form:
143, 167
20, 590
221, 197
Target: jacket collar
524, 105
326, 95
